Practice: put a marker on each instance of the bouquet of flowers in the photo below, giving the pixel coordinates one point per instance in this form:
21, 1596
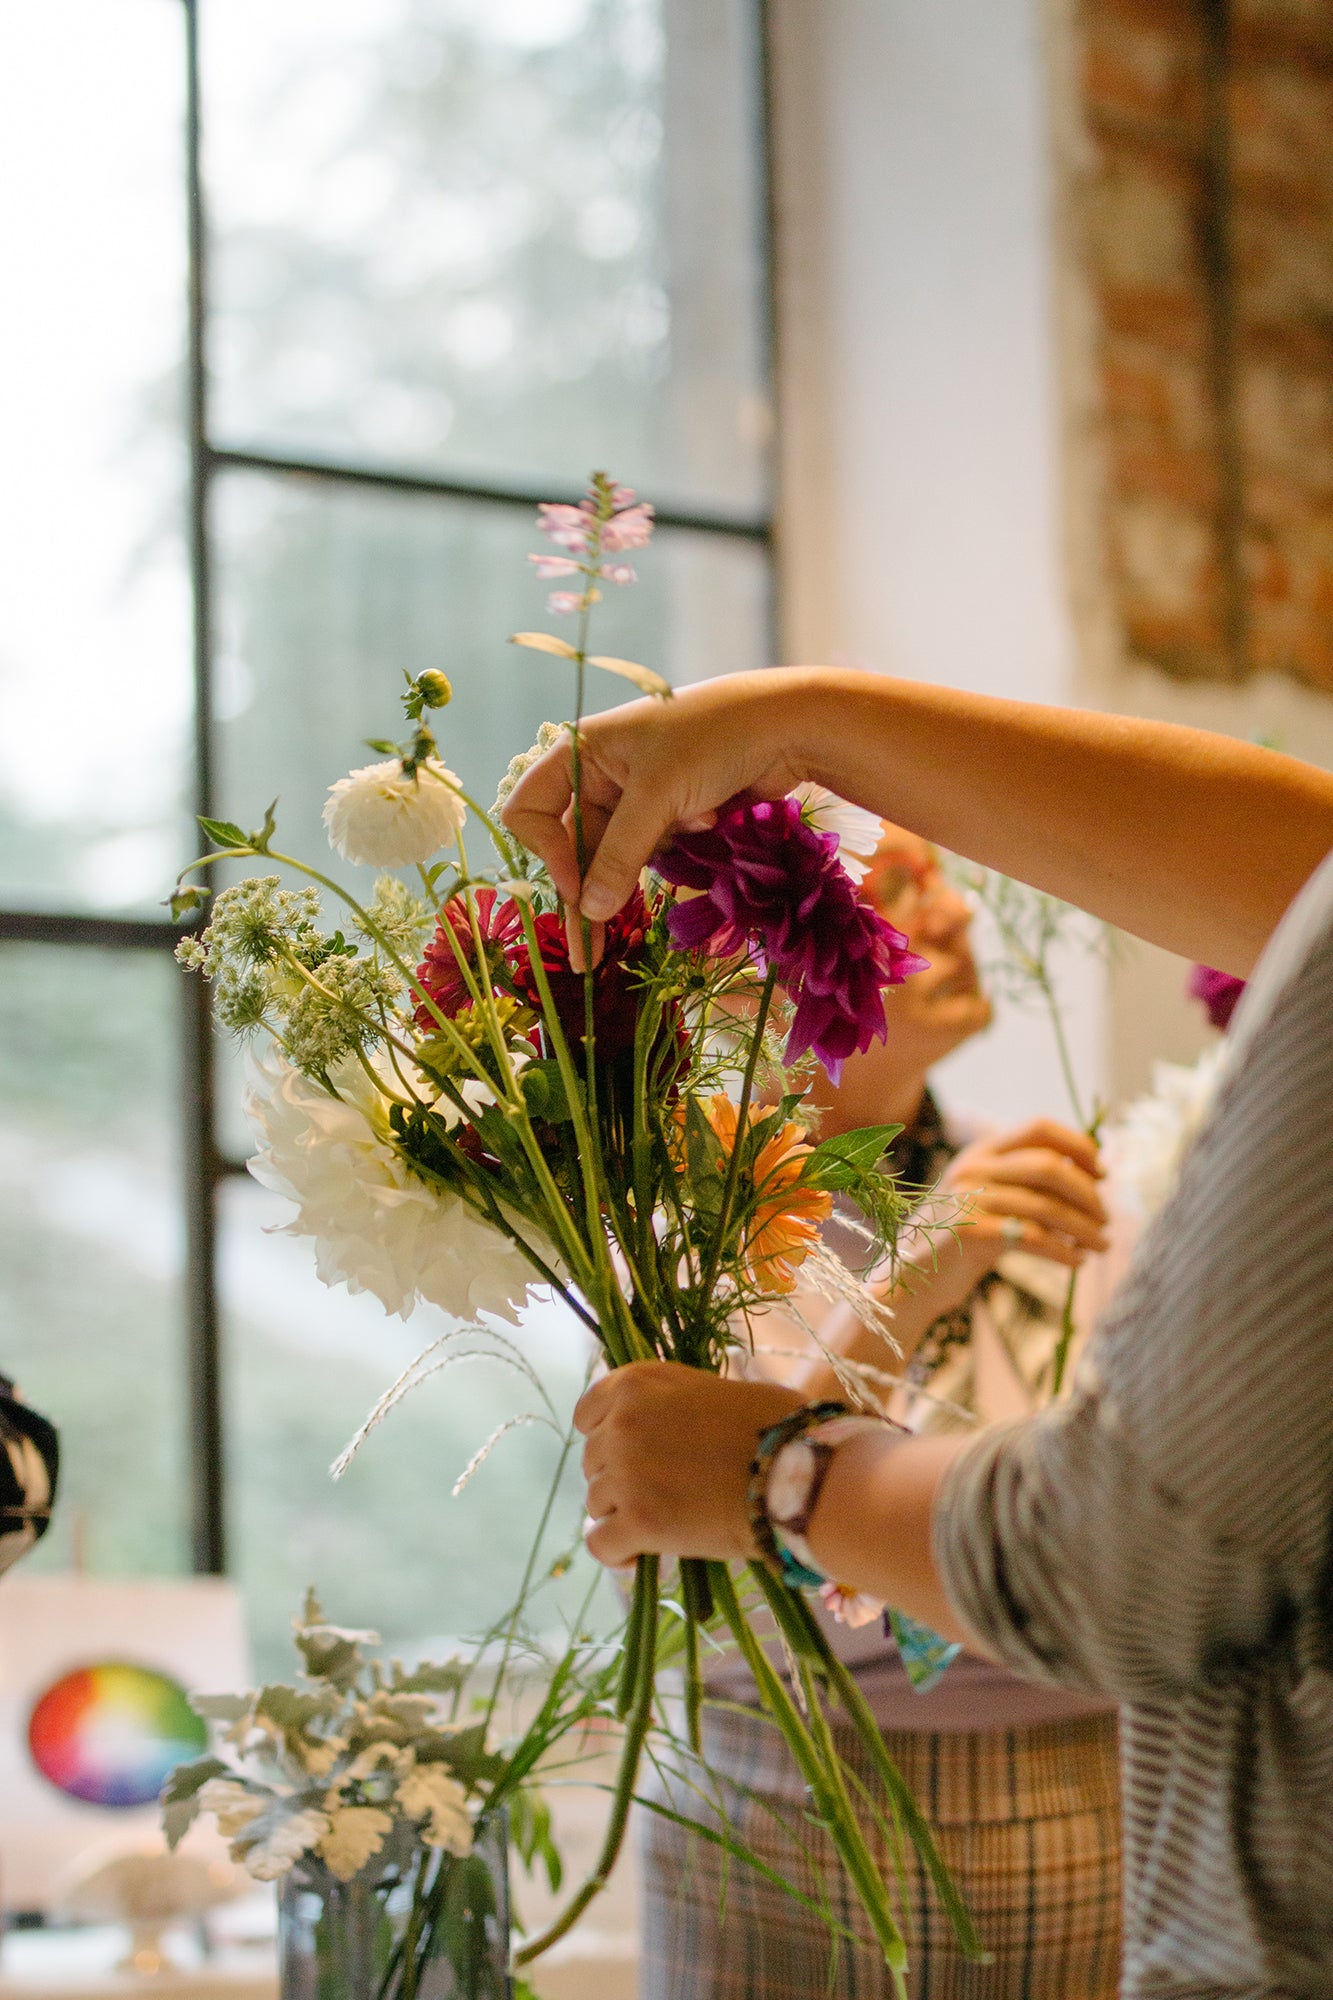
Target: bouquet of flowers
461, 1116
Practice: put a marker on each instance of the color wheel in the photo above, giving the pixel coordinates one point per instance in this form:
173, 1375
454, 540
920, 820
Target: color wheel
110, 1732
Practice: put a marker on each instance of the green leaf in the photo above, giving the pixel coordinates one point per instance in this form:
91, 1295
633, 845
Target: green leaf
465, 1752
220, 1707
498, 1136
259, 841
442, 1677
180, 1794
643, 678
544, 1092
291, 1709
703, 1149
383, 745
850, 1153
224, 833
544, 642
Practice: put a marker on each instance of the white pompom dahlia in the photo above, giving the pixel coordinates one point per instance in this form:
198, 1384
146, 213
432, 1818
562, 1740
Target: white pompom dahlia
1146, 1146
376, 1227
389, 818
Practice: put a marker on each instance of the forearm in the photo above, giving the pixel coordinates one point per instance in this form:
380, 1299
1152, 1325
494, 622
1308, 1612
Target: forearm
1194, 841
872, 1526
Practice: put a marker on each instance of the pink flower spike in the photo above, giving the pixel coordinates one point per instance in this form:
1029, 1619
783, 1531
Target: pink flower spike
568, 527
562, 601
631, 528
617, 573
549, 566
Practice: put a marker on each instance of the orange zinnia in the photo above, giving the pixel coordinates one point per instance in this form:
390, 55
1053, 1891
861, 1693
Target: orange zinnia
784, 1227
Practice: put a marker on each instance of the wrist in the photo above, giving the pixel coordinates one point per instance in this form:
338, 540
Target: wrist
791, 1465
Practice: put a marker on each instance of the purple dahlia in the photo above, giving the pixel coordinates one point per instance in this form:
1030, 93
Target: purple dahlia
772, 886
1219, 992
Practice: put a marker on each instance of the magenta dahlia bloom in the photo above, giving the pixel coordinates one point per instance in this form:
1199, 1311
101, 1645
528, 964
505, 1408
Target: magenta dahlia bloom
1219, 992
774, 887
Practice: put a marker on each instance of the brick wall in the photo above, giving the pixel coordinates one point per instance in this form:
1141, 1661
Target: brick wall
1203, 225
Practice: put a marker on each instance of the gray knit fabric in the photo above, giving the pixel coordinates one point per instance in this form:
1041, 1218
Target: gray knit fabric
1165, 1535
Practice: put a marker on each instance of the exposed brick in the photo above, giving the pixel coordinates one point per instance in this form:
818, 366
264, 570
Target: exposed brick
1142, 70
1169, 345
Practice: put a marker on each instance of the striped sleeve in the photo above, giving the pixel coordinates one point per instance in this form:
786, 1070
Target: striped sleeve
1163, 1528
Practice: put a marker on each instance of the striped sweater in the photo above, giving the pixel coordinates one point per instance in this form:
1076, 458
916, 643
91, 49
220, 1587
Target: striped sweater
1164, 1536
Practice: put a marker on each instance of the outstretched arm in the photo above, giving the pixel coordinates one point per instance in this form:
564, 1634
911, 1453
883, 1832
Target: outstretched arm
1194, 841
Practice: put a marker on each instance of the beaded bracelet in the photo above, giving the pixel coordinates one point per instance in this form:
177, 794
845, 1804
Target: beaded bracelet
782, 1507
775, 1555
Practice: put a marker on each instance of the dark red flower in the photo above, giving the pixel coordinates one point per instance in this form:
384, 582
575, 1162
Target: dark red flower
615, 982
773, 887
500, 922
1219, 992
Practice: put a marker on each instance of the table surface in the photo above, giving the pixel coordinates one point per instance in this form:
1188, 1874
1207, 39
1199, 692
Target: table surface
81, 1965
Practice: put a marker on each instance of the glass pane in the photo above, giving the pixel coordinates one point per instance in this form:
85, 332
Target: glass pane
386, 1546
91, 1243
329, 593
94, 611
501, 242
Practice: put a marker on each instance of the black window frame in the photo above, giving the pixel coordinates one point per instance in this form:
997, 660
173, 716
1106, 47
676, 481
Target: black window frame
204, 1165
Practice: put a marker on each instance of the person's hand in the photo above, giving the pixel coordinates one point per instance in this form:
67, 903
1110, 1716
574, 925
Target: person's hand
667, 1460
1034, 1189
652, 768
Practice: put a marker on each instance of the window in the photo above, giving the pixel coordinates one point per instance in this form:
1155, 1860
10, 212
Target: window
317, 301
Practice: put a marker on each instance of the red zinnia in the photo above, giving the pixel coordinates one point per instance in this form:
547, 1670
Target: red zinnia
500, 922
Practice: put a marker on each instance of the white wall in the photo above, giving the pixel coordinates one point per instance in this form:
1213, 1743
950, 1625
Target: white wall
921, 516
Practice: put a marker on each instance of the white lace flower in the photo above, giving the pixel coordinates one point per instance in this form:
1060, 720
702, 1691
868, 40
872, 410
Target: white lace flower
285, 1840
382, 816
232, 1804
353, 1834
859, 832
432, 1793
1147, 1145
376, 1227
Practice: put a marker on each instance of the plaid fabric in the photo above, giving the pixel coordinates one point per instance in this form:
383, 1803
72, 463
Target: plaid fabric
1029, 1824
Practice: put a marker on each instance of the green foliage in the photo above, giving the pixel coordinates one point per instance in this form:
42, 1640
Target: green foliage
180, 1795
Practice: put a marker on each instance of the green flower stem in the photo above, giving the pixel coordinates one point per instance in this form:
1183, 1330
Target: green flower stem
516, 1108
818, 1764
631, 1658
1060, 1358
804, 1629
636, 1728
404, 1952
742, 1123
697, 1601
629, 1342
1091, 1127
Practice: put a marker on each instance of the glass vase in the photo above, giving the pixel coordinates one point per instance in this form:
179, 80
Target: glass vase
415, 1924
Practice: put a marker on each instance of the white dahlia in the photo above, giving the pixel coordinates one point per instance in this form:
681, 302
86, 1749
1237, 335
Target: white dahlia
1147, 1145
377, 1228
859, 832
389, 818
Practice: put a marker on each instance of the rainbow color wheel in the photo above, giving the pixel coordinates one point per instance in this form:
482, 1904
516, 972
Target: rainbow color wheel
111, 1732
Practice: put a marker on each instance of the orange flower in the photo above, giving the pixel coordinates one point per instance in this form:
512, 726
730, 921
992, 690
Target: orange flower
784, 1226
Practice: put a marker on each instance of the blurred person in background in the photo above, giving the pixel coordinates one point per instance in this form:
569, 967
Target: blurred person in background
1020, 1781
